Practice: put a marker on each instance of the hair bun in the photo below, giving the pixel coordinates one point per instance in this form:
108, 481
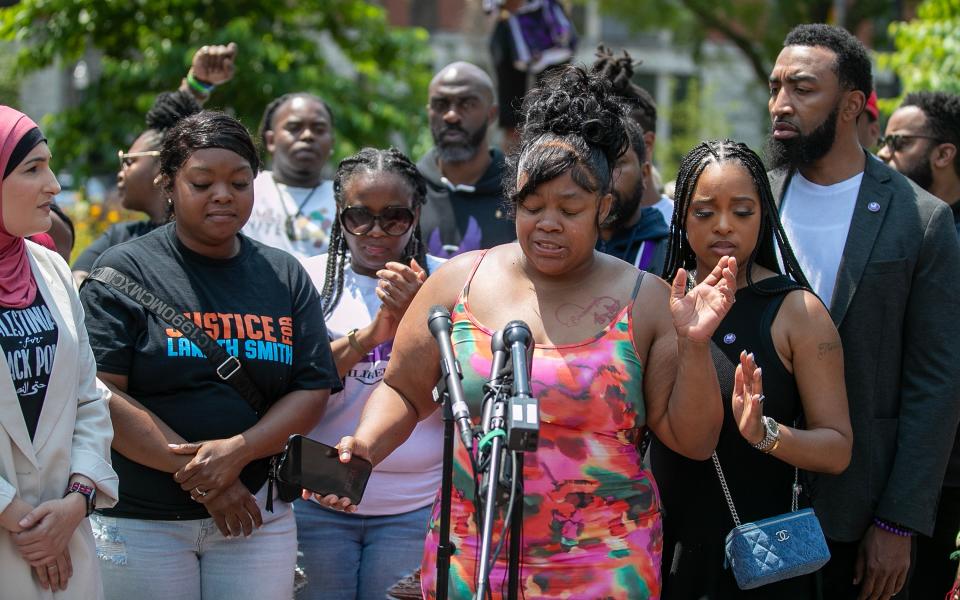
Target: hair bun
169, 108
572, 101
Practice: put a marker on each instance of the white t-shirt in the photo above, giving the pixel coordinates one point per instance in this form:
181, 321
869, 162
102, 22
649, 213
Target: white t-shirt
665, 206
816, 219
310, 212
409, 478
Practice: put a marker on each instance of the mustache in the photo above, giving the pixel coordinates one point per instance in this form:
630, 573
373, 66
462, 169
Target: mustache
454, 127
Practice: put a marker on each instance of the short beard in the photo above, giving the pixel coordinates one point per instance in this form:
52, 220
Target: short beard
460, 151
803, 150
624, 210
921, 173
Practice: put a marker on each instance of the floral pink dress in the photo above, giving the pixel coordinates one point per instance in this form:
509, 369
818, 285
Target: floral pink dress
591, 526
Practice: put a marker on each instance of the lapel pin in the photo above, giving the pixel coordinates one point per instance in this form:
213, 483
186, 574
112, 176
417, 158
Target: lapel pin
729, 338
873, 207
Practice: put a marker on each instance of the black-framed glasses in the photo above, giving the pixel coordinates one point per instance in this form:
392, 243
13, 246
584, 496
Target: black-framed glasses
393, 220
896, 142
126, 158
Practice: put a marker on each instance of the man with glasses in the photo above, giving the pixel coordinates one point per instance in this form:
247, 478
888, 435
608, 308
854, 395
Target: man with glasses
883, 256
921, 142
465, 208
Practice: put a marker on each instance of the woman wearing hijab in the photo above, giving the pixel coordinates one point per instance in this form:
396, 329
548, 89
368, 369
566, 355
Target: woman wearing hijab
55, 430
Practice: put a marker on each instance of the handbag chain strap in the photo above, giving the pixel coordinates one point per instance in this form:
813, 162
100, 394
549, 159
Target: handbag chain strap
794, 501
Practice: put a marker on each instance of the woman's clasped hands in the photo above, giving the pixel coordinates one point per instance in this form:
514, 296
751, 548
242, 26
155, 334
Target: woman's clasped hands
212, 477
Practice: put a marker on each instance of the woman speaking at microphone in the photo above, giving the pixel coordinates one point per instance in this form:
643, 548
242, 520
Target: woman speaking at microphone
615, 352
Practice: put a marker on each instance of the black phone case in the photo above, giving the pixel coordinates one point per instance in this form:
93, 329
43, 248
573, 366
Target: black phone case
316, 467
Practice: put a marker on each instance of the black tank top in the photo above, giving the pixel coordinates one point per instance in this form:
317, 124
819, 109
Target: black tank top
696, 516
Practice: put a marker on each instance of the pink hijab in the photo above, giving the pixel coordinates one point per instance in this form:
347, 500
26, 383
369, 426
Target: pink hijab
18, 288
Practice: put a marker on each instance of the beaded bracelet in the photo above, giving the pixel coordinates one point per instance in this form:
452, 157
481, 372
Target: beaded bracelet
891, 528
197, 85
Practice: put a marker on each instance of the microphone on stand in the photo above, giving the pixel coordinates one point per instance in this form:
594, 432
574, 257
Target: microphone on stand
523, 418
499, 369
440, 326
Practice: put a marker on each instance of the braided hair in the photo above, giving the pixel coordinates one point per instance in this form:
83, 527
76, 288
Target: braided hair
370, 160
619, 71
771, 237
573, 122
266, 122
169, 108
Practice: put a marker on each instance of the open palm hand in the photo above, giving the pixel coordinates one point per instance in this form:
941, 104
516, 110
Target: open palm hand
697, 313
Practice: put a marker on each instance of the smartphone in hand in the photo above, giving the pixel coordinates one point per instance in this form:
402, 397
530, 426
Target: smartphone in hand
316, 467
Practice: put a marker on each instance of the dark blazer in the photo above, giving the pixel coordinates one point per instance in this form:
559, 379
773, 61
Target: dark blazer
895, 305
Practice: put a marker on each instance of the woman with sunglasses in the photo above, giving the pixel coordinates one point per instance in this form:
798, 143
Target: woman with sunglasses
369, 277
137, 182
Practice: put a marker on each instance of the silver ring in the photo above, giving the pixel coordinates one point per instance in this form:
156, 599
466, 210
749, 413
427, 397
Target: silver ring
51, 567
200, 492
761, 398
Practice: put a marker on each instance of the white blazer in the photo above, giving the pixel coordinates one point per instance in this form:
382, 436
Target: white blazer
73, 436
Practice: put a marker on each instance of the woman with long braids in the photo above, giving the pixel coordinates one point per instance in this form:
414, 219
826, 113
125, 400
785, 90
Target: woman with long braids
368, 279
615, 352
778, 357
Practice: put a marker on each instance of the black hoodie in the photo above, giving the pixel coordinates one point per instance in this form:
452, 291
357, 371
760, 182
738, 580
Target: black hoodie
458, 220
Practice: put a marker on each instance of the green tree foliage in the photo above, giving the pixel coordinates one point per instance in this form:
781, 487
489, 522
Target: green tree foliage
926, 53
9, 82
756, 27
373, 76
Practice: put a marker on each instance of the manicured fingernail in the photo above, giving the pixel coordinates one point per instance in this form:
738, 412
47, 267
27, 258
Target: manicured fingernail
344, 455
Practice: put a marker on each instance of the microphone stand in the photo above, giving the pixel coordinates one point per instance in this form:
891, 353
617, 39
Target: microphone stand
444, 548
513, 427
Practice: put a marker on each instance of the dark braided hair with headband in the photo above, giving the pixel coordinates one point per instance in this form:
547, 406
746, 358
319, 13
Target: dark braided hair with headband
370, 160
771, 238
573, 122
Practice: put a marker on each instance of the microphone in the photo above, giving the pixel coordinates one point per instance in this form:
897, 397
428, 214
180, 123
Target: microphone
440, 325
523, 419
499, 368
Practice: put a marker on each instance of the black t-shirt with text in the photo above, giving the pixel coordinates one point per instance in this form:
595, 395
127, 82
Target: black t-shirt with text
261, 307
28, 337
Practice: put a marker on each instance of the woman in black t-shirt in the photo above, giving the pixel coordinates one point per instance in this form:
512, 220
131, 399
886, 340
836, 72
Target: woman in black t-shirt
724, 207
191, 452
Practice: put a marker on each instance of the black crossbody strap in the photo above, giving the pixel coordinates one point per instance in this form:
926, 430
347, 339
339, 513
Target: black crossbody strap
227, 366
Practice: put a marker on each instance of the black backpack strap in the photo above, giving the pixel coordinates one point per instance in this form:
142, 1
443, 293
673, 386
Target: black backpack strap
227, 366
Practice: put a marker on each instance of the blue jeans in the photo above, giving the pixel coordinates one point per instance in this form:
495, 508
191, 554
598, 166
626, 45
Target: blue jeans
191, 560
350, 557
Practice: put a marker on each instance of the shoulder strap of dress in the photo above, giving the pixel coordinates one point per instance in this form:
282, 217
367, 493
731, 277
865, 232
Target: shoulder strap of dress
466, 286
636, 287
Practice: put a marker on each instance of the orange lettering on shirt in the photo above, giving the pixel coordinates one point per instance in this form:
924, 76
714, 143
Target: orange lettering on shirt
286, 330
251, 322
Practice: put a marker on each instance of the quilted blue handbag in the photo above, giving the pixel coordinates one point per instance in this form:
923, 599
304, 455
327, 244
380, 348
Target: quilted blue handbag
773, 549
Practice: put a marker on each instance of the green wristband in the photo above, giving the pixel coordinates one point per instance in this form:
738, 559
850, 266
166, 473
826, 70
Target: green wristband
197, 85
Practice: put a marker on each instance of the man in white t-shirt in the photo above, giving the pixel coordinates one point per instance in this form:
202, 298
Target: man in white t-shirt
294, 206
883, 256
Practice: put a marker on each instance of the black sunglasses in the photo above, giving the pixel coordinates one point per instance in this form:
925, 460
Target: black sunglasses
897, 142
393, 220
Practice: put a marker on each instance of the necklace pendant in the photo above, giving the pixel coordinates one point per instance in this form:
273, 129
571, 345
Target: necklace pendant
291, 229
